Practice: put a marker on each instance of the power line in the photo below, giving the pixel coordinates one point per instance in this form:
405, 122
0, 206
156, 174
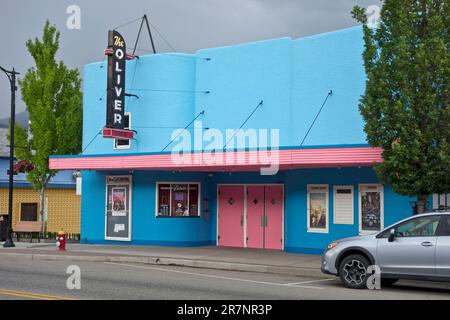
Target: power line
159, 33
235, 132
103, 95
159, 90
153, 26
92, 140
317, 115
127, 23
134, 71
181, 131
170, 90
163, 127
176, 54
180, 55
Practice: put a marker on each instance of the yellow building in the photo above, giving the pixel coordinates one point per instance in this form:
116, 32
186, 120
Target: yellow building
62, 206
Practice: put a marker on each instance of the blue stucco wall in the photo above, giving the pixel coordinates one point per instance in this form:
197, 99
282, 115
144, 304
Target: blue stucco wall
239, 77
150, 230
298, 239
330, 61
165, 86
292, 77
146, 227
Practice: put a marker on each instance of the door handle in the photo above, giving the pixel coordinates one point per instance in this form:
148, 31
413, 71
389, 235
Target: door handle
264, 221
426, 244
242, 220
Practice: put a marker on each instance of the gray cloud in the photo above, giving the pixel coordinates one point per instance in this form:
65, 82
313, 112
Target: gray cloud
187, 25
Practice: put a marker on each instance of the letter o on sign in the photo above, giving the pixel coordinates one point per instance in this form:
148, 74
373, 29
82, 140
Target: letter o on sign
119, 54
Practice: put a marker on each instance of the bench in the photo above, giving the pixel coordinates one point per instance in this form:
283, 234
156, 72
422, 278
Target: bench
31, 227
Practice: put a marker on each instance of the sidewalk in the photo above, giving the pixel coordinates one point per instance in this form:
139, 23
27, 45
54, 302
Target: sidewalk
211, 257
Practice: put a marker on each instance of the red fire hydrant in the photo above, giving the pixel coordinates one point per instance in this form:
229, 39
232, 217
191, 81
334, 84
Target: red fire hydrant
61, 240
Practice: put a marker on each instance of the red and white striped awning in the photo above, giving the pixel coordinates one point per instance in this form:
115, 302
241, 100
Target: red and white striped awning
287, 159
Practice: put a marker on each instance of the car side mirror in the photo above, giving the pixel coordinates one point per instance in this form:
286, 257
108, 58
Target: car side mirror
391, 235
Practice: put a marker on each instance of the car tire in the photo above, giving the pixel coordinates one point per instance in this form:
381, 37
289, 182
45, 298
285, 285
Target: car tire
387, 282
353, 271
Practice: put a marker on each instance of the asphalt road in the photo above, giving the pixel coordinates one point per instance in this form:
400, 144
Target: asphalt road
27, 279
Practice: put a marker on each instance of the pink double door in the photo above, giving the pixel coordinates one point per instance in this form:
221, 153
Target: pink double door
265, 216
251, 216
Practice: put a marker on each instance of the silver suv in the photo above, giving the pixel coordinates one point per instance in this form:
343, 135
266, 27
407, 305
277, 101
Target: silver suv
415, 248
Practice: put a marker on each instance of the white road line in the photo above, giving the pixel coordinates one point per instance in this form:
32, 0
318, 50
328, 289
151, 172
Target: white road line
305, 282
212, 276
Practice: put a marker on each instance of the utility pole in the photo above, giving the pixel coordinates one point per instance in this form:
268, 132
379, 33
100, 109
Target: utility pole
12, 80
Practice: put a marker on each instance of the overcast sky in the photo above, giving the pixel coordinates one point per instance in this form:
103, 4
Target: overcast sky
188, 25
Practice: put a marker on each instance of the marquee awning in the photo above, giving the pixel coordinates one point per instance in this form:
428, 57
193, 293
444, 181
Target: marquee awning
254, 160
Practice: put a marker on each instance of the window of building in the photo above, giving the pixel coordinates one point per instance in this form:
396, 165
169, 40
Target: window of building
441, 201
317, 211
178, 199
343, 205
124, 143
28, 212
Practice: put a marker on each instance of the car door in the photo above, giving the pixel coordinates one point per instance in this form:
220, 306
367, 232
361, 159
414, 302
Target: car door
443, 248
413, 250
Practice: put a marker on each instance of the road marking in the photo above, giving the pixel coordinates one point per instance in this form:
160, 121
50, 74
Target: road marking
305, 282
211, 276
31, 295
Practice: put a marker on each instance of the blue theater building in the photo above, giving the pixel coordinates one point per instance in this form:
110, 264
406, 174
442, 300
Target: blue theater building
136, 192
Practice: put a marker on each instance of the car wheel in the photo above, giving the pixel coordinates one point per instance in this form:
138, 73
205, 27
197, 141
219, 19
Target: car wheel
386, 282
353, 271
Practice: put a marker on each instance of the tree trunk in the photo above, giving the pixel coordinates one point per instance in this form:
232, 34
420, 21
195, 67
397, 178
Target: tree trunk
41, 210
421, 203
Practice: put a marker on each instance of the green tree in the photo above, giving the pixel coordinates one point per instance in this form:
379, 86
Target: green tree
406, 105
53, 99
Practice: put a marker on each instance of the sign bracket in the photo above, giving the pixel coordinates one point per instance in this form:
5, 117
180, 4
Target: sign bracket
144, 19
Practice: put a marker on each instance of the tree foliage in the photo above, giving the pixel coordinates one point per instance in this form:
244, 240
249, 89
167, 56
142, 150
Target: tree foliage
406, 105
53, 99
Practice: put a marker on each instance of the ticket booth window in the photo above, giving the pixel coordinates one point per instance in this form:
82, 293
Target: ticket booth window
178, 199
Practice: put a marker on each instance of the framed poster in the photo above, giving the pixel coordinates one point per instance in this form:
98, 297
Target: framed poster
119, 201
318, 218
371, 213
317, 211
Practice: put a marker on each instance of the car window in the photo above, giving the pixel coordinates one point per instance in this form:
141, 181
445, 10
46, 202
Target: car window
444, 228
418, 227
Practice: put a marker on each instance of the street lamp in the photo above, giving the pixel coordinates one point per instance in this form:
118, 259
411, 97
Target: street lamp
12, 80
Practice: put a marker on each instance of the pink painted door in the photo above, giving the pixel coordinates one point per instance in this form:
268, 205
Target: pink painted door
274, 217
255, 211
231, 216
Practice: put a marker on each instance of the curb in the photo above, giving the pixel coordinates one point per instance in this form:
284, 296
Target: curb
202, 264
